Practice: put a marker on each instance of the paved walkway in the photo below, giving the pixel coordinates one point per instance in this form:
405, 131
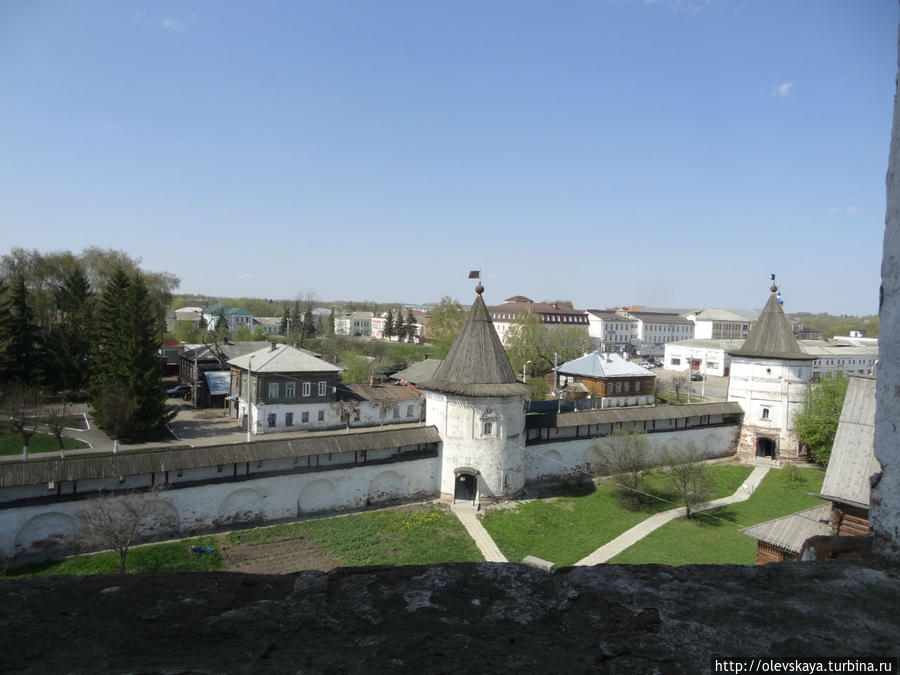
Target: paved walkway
654, 522
466, 514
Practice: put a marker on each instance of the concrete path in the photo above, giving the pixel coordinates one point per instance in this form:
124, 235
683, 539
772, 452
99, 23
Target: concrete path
654, 522
484, 542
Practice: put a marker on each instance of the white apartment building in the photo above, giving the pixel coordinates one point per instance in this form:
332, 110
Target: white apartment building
610, 331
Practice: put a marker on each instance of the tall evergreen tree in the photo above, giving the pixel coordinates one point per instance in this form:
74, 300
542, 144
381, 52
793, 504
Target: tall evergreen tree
5, 322
70, 336
126, 390
285, 321
296, 323
399, 327
389, 325
308, 329
23, 344
410, 325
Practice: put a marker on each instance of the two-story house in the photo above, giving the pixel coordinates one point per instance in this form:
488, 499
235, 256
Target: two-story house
280, 388
608, 377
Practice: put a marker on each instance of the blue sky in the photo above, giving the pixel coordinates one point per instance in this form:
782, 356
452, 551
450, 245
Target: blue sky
607, 152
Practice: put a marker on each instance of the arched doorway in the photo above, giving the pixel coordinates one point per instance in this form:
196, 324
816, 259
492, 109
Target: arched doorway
465, 486
765, 447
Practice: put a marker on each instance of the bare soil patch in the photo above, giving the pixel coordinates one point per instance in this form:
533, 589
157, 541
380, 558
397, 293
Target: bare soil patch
277, 557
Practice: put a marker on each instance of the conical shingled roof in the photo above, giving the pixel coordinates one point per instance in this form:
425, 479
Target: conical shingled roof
772, 337
476, 364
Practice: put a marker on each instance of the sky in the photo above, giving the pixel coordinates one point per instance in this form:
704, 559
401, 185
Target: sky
608, 152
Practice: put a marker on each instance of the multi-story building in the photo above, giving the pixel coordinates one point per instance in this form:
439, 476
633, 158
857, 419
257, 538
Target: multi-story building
656, 330
553, 314
610, 331
234, 318
358, 324
719, 324
609, 377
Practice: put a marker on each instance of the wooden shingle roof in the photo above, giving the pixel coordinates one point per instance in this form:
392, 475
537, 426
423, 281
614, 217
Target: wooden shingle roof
772, 336
476, 364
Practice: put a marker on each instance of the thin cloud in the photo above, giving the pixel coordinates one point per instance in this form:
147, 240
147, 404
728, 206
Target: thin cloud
849, 210
172, 25
783, 90
243, 276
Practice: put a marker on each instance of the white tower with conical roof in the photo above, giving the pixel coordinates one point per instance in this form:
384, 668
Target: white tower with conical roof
478, 407
770, 376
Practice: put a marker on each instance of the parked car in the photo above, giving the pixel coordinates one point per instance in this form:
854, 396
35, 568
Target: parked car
179, 390
696, 377
645, 364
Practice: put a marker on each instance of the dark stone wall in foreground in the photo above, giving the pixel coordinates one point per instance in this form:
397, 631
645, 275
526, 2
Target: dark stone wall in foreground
461, 618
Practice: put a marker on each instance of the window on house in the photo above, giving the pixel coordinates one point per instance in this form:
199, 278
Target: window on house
618, 387
637, 386
307, 387
396, 412
765, 413
304, 418
290, 389
627, 387
409, 411
321, 388
289, 419
676, 362
321, 415
487, 428
273, 391
609, 387
272, 417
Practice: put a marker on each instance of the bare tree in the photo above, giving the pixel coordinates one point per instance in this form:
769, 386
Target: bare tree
678, 383
21, 413
347, 410
688, 475
112, 521
625, 456
55, 418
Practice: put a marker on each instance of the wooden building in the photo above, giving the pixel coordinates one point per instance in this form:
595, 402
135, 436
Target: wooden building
609, 377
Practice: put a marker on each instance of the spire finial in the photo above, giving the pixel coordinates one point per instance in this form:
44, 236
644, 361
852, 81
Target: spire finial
479, 288
774, 288
476, 274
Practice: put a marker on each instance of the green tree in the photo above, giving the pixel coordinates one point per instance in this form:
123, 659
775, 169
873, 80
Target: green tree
5, 322
127, 396
399, 327
411, 329
817, 424
444, 324
285, 321
528, 339
358, 369
69, 353
389, 325
23, 350
308, 325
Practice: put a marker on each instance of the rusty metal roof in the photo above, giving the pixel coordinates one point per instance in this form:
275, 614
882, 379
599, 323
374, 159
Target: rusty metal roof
85, 467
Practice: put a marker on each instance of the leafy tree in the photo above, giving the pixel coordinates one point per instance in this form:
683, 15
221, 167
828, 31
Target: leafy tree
331, 322
5, 322
817, 424
528, 339
444, 324
539, 389
285, 321
55, 418
126, 390
389, 325
358, 369
112, 521
400, 327
688, 475
23, 344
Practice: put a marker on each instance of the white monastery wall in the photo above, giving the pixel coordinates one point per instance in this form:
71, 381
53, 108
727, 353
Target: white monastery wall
30, 529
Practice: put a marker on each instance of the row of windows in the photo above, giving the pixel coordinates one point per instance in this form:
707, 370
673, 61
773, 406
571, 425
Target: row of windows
290, 389
619, 388
272, 418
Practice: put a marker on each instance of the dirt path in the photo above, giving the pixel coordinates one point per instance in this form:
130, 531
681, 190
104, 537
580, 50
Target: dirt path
278, 557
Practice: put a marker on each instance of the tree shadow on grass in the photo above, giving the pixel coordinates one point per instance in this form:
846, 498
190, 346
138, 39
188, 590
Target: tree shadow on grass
724, 516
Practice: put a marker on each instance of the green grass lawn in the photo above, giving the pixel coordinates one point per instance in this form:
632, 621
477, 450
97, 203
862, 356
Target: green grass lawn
567, 528
378, 538
715, 538
669, 397
11, 444
168, 557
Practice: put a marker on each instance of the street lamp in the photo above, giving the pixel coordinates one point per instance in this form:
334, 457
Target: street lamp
525, 365
249, 373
